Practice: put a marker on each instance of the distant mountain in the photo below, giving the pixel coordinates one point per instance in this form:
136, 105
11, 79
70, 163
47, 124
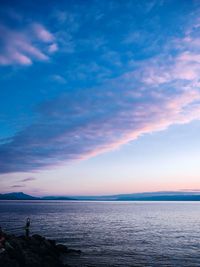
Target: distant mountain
57, 198
16, 196
161, 198
147, 196
22, 196
158, 196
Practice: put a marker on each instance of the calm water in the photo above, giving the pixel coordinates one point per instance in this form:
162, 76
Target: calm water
115, 233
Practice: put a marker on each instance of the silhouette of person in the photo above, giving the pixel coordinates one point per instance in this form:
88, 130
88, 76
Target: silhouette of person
27, 227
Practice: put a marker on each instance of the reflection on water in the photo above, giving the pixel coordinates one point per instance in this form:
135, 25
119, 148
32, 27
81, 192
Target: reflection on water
114, 233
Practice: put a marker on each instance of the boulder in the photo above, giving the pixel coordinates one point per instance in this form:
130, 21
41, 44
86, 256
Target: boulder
34, 251
62, 248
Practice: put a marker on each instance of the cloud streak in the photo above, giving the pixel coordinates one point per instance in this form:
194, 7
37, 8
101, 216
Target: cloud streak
17, 186
84, 123
29, 179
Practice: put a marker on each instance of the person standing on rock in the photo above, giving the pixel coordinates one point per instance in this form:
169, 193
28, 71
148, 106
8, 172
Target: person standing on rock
27, 227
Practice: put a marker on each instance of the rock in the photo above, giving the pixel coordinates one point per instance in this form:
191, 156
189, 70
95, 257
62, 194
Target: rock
38, 237
62, 248
5, 260
74, 251
32, 259
48, 261
34, 251
52, 242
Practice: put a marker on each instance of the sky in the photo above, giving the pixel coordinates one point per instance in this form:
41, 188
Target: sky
99, 97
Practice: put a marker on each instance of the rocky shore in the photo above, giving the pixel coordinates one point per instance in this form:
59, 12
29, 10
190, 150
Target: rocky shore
34, 251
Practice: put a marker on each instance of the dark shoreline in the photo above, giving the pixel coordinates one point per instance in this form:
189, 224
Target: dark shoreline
34, 251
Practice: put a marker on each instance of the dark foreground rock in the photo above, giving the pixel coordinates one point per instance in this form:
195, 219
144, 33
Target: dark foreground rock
34, 251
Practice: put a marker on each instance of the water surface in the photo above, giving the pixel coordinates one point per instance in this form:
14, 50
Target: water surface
114, 233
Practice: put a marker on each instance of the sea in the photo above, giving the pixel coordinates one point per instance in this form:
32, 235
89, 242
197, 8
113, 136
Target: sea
113, 233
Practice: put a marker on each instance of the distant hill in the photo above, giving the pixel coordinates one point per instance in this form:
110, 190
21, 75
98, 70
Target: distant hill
57, 198
16, 196
147, 196
22, 196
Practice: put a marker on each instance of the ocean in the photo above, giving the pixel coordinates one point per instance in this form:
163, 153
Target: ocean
113, 233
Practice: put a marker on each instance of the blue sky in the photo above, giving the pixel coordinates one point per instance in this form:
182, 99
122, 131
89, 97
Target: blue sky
99, 97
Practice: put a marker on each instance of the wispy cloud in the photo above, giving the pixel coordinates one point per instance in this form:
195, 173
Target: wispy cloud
23, 46
17, 186
28, 179
42, 33
23, 182
58, 78
53, 48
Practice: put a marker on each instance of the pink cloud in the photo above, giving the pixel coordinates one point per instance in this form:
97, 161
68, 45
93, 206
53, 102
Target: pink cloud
53, 48
42, 33
118, 116
15, 57
185, 66
23, 46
